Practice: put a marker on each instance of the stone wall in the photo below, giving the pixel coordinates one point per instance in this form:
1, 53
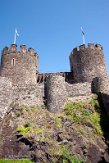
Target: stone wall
67, 75
19, 66
55, 93
5, 95
87, 63
79, 92
100, 84
103, 90
25, 86
79, 89
30, 95
82, 98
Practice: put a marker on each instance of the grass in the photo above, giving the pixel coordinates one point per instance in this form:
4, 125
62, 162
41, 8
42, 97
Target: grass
41, 125
24, 130
39, 130
58, 121
95, 103
67, 157
87, 114
16, 161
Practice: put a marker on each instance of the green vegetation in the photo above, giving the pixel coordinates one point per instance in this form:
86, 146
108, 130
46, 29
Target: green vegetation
39, 130
16, 161
84, 118
95, 103
67, 157
21, 110
24, 130
27, 125
87, 114
27, 117
72, 110
58, 121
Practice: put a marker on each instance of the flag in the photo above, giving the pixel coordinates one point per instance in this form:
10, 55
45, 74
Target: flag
17, 34
82, 31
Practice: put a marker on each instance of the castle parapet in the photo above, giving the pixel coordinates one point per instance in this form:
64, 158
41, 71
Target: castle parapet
31, 51
99, 46
74, 50
5, 50
91, 45
23, 48
13, 48
82, 47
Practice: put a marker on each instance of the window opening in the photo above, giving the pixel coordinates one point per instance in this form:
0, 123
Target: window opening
13, 61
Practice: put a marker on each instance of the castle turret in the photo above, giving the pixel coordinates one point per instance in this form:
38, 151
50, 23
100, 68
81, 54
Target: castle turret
20, 66
55, 92
87, 63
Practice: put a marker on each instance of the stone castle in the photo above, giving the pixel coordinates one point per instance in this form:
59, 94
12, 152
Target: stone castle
20, 81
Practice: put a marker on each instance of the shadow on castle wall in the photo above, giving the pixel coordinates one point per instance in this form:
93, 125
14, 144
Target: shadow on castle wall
104, 118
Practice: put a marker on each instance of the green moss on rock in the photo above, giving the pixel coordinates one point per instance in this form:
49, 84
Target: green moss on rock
85, 114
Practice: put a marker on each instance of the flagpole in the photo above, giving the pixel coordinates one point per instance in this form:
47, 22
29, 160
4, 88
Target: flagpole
83, 37
15, 37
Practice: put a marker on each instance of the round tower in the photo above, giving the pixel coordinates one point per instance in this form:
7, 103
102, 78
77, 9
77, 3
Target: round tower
55, 92
20, 66
86, 63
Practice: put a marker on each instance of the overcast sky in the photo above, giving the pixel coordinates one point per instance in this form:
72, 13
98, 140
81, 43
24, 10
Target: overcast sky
52, 28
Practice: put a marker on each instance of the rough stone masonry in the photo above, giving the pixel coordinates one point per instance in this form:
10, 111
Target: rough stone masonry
21, 82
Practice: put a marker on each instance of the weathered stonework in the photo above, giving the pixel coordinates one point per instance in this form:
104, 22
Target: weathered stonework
5, 95
55, 91
78, 89
81, 98
87, 63
19, 66
20, 81
28, 95
29, 132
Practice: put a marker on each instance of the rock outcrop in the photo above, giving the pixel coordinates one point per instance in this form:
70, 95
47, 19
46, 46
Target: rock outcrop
78, 134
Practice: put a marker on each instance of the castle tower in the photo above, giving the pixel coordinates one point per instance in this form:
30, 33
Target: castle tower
86, 63
55, 93
20, 66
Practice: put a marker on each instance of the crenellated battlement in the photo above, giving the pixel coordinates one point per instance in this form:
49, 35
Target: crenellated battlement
67, 75
23, 50
85, 47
